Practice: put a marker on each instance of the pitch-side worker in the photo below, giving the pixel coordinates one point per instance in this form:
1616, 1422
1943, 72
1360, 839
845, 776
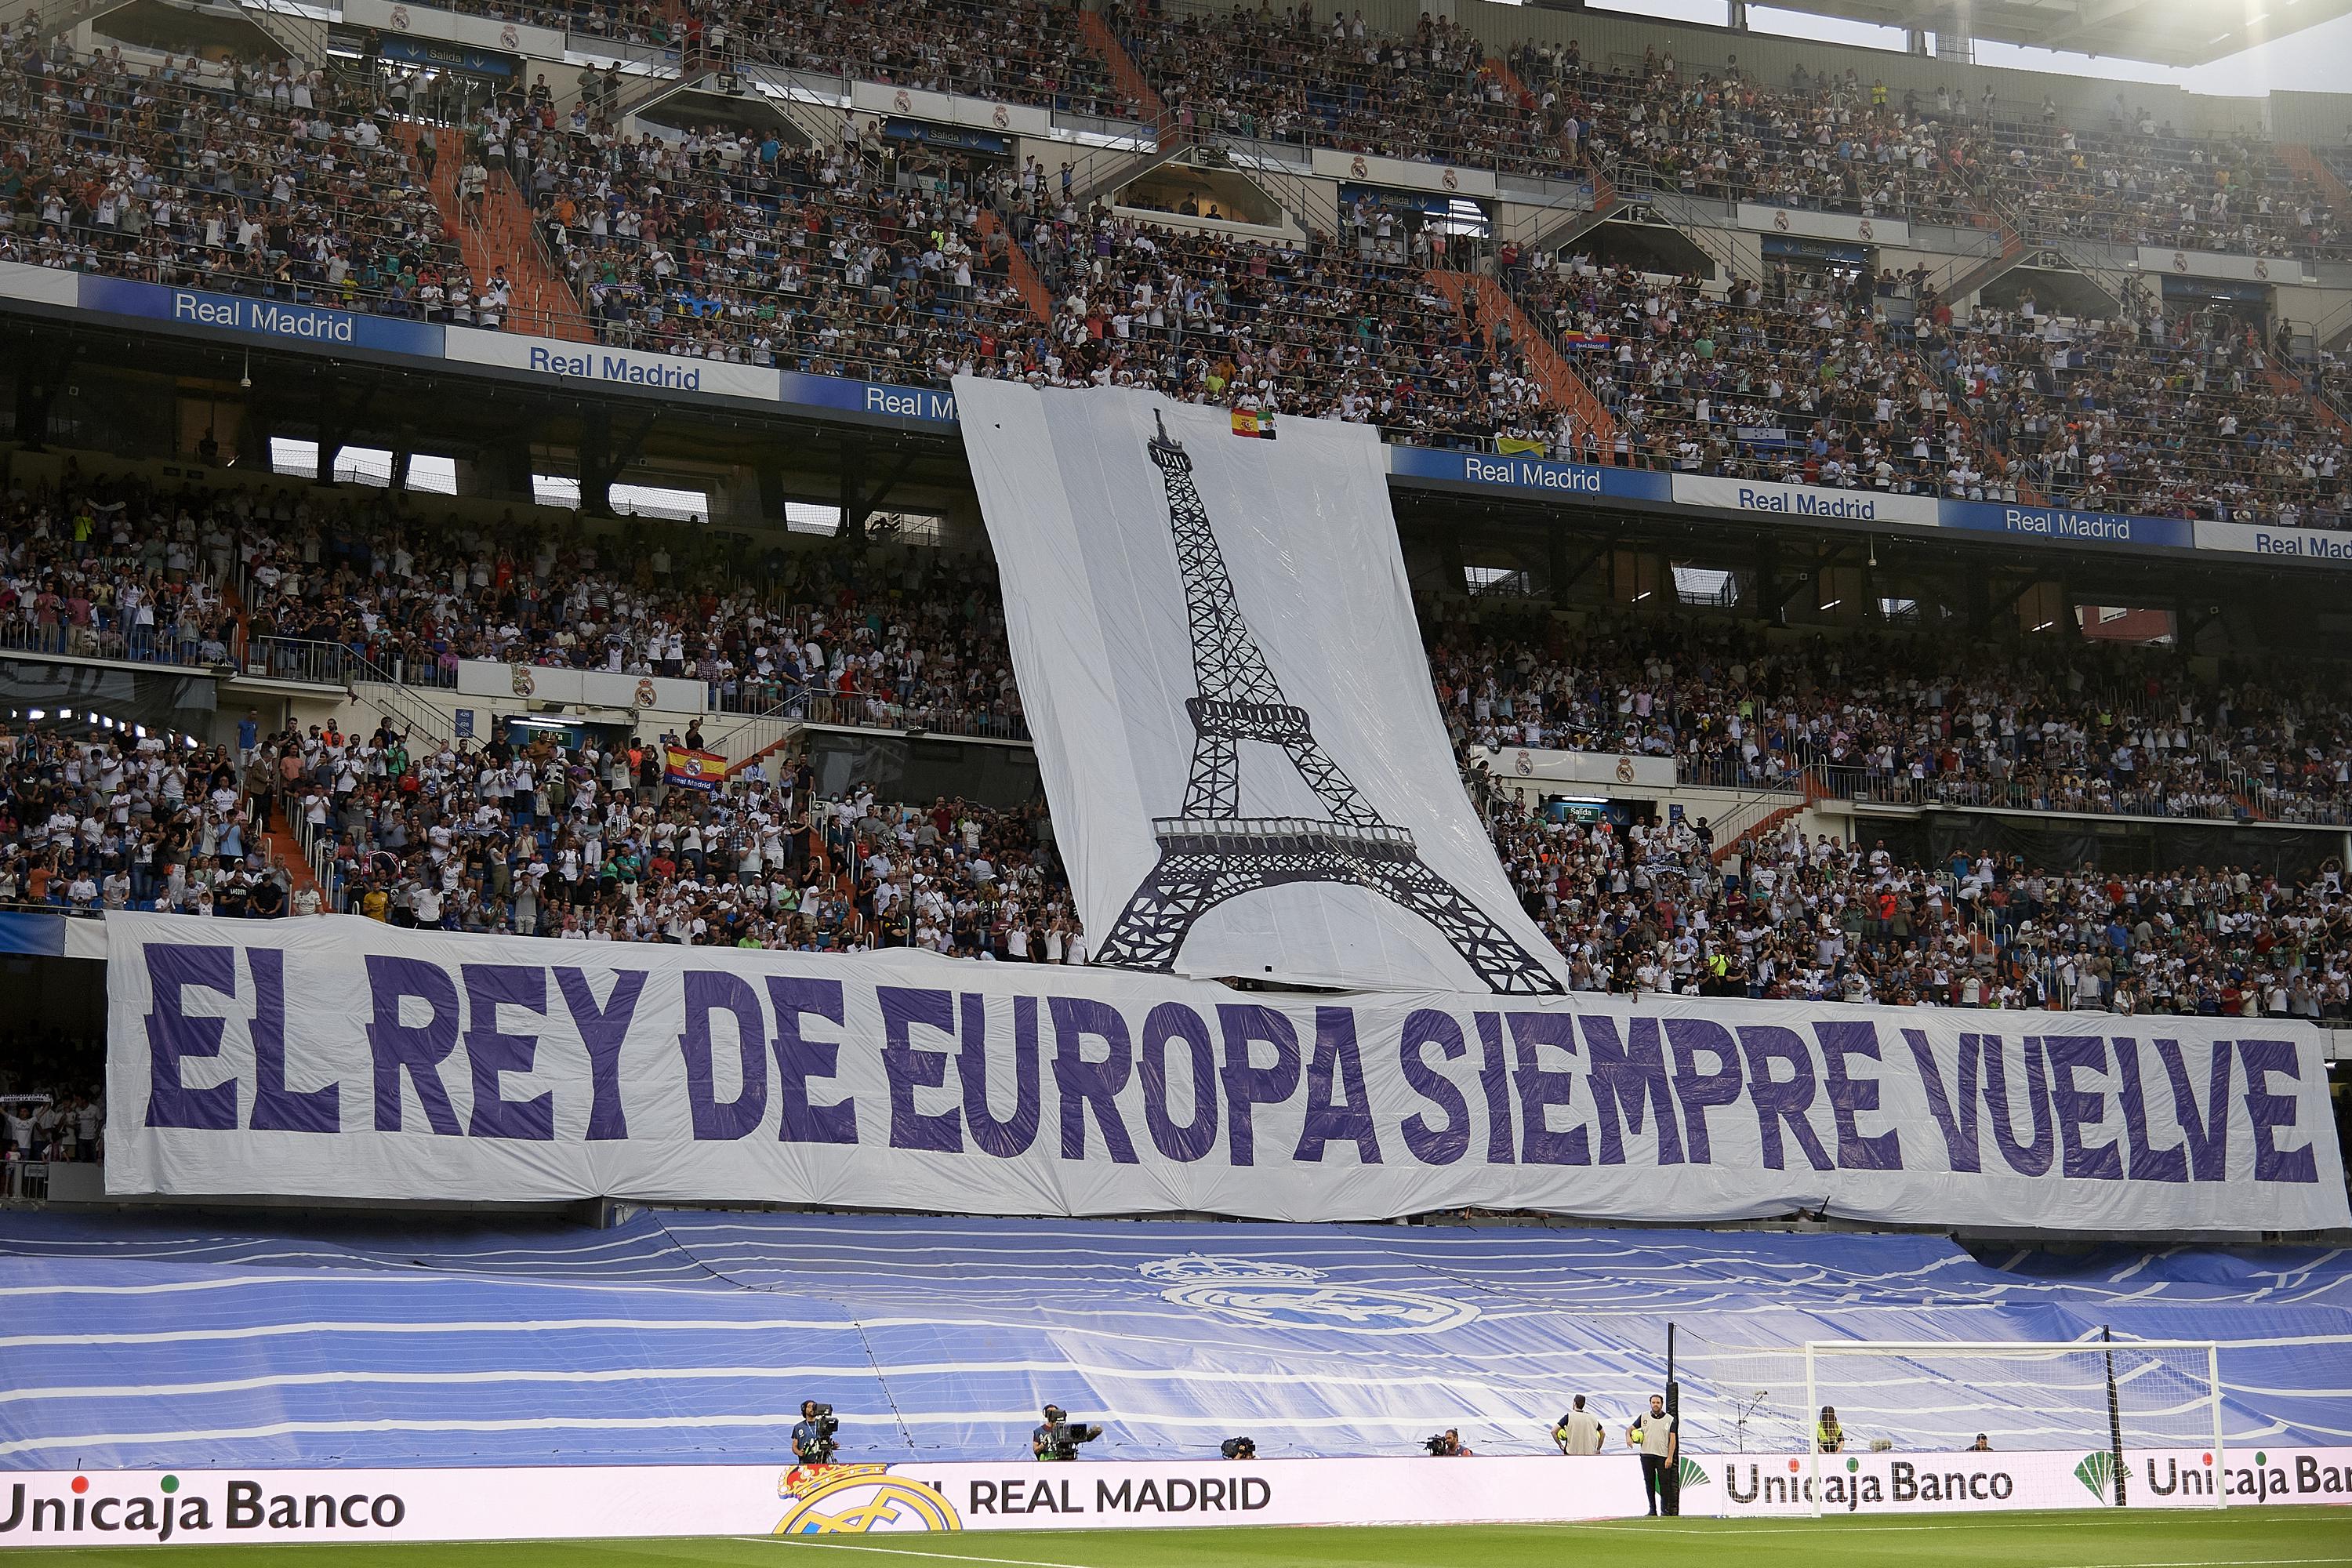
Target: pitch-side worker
1578, 1432
1652, 1432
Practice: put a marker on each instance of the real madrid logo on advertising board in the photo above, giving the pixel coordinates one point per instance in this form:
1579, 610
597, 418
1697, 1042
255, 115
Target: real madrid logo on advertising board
1285, 1295
859, 1499
520, 676
645, 695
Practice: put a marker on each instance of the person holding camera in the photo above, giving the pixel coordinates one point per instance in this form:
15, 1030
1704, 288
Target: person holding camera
1827, 1432
1057, 1438
1653, 1432
812, 1440
1447, 1445
1238, 1448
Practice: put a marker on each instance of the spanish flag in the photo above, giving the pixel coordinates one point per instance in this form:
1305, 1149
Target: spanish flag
1249, 422
694, 770
1519, 447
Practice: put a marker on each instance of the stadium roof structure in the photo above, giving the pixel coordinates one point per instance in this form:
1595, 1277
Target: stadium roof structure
2160, 32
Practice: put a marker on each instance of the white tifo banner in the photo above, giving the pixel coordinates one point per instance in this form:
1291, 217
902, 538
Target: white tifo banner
336, 1057
64, 1508
1219, 657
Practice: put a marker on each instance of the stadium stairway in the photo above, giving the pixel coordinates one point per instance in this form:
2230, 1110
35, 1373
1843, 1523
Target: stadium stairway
541, 302
1126, 76
2287, 385
1527, 104
2314, 168
285, 851
144, 1341
1018, 265
1561, 384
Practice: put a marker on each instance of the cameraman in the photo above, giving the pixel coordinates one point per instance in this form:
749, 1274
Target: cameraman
1447, 1445
1058, 1438
813, 1441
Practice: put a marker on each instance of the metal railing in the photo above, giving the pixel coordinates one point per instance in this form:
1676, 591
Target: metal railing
161, 645
293, 659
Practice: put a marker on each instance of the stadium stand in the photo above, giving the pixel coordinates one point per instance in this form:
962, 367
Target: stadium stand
239, 180
863, 259
812, 259
1287, 75
424, 1343
1933, 719
2143, 184
499, 839
1827, 144
1013, 51
2072, 825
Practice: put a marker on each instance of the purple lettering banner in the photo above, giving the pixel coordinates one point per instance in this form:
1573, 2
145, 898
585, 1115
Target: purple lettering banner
335, 1057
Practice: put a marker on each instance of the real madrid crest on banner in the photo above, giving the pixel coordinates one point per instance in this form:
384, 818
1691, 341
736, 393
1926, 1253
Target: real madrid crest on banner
859, 1499
1259, 1291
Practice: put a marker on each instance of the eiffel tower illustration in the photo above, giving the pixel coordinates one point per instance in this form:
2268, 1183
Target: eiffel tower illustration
1211, 854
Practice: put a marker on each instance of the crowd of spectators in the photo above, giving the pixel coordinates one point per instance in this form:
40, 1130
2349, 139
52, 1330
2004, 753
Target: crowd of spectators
593, 845
1015, 51
109, 571
1843, 380
878, 258
60, 1125
1287, 74
864, 257
897, 635
2157, 413
2140, 183
872, 258
119, 568
589, 845
1916, 717
1349, 327
1805, 382
1828, 142
1649, 908
130, 819
526, 837
241, 179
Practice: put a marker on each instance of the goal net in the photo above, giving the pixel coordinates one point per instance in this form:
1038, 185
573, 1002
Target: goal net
2115, 1405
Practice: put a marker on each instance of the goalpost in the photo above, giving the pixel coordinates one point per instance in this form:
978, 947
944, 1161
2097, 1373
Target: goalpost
2107, 1400
2156, 1421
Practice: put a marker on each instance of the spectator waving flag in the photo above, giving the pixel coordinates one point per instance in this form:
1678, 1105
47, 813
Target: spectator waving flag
1250, 422
695, 770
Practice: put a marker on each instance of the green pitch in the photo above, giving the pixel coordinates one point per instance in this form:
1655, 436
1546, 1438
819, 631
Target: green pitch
2201, 1538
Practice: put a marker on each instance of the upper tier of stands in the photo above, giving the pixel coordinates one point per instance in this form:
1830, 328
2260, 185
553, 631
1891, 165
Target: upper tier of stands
1014, 51
942, 1337
242, 180
864, 260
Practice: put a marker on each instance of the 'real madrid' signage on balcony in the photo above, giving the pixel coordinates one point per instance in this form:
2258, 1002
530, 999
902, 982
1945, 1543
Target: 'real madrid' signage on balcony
2167, 261
1801, 223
